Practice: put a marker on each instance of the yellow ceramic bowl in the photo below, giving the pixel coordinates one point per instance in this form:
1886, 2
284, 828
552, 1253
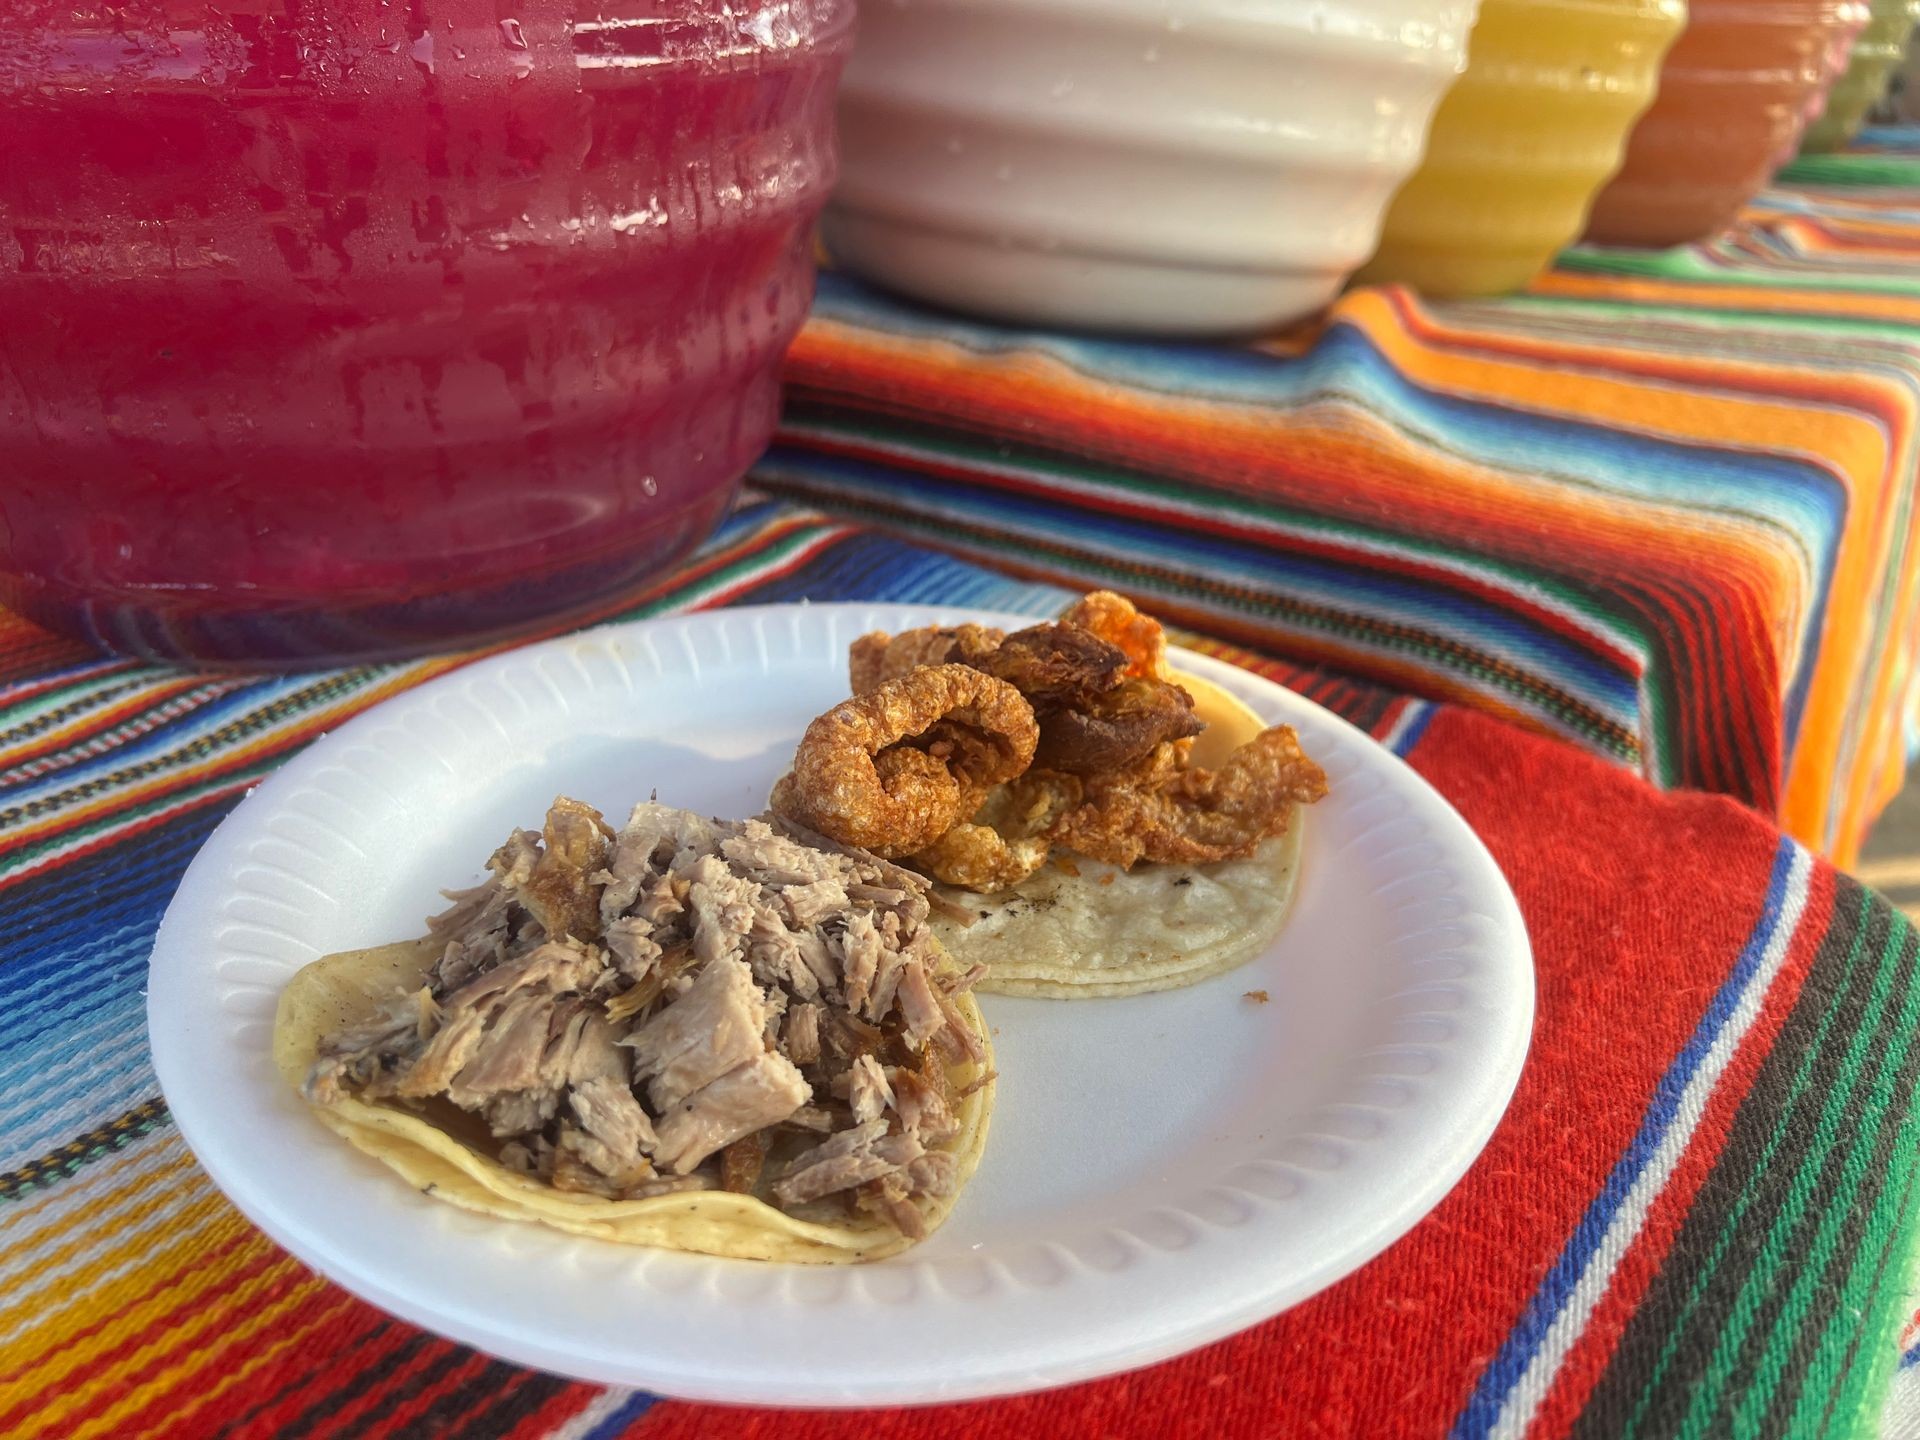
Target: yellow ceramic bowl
1876, 54
1530, 131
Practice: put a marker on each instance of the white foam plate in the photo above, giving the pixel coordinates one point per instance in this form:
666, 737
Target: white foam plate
1163, 1170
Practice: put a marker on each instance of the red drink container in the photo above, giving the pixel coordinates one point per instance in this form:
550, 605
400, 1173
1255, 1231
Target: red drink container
347, 329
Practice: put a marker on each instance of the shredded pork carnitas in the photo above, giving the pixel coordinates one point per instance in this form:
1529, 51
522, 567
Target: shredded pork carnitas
1105, 772
689, 1004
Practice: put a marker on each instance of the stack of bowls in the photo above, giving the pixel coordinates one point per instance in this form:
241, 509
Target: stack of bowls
1734, 97
1875, 56
1519, 146
1177, 167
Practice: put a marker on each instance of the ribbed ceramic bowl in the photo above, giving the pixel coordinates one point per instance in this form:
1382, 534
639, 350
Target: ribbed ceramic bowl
1534, 127
1173, 167
1839, 50
1734, 94
1875, 56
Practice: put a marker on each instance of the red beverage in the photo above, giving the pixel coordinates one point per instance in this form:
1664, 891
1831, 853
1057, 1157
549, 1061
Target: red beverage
348, 328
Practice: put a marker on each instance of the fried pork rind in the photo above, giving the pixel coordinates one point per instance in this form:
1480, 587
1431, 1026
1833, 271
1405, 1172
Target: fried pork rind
1092, 718
1109, 713
1194, 816
1054, 664
1091, 929
861, 776
879, 657
1132, 762
980, 858
1116, 730
1114, 619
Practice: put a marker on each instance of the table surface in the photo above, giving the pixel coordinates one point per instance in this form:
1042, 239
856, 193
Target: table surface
1700, 1218
1661, 506
1698, 1221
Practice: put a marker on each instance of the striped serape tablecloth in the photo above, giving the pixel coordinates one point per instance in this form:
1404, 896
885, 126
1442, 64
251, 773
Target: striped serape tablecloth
1661, 506
1697, 1219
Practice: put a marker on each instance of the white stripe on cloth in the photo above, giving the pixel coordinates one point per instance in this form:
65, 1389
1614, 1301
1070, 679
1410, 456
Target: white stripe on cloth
1413, 713
1900, 1418
1531, 1390
598, 1410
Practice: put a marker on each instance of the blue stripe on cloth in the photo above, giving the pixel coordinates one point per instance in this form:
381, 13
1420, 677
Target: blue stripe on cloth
1412, 726
1910, 1358
867, 566
1788, 494
1496, 1382
636, 1405
1798, 495
1340, 590
163, 739
95, 669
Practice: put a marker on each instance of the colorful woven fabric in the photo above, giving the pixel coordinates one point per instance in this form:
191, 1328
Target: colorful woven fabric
1661, 506
1696, 1220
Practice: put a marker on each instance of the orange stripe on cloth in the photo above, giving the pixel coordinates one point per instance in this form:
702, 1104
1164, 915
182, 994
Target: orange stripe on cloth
23, 1212
89, 722
159, 1189
221, 762
1879, 307
1855, 445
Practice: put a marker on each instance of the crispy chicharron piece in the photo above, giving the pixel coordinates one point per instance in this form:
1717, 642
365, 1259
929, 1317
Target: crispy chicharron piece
1114, 619
978, 857
1115, 730
855, 780
878, 657
1197, 816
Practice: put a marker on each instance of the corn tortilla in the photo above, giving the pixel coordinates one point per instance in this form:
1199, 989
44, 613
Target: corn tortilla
348, 989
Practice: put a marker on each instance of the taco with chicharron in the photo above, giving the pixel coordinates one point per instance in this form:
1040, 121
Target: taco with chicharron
1096, 823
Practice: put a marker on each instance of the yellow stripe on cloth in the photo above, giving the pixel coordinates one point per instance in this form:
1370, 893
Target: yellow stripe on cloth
175, 1377
148, 1299
169, 1204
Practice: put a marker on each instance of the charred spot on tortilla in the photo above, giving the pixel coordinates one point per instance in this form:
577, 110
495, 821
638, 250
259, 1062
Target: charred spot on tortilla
1153, 806
739, 1038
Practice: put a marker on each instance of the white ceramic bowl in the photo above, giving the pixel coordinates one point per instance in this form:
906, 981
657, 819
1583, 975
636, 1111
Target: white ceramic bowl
1179, 167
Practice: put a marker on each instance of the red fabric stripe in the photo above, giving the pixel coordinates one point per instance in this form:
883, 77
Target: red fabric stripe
172, 1416
238, 768
29, 652
204, 1356
348, 1416
119, 834
396, 1419
1859, 390
1405, 1338
556, 1412
1590, 1354
122, 710
1325, 471
241, 1237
